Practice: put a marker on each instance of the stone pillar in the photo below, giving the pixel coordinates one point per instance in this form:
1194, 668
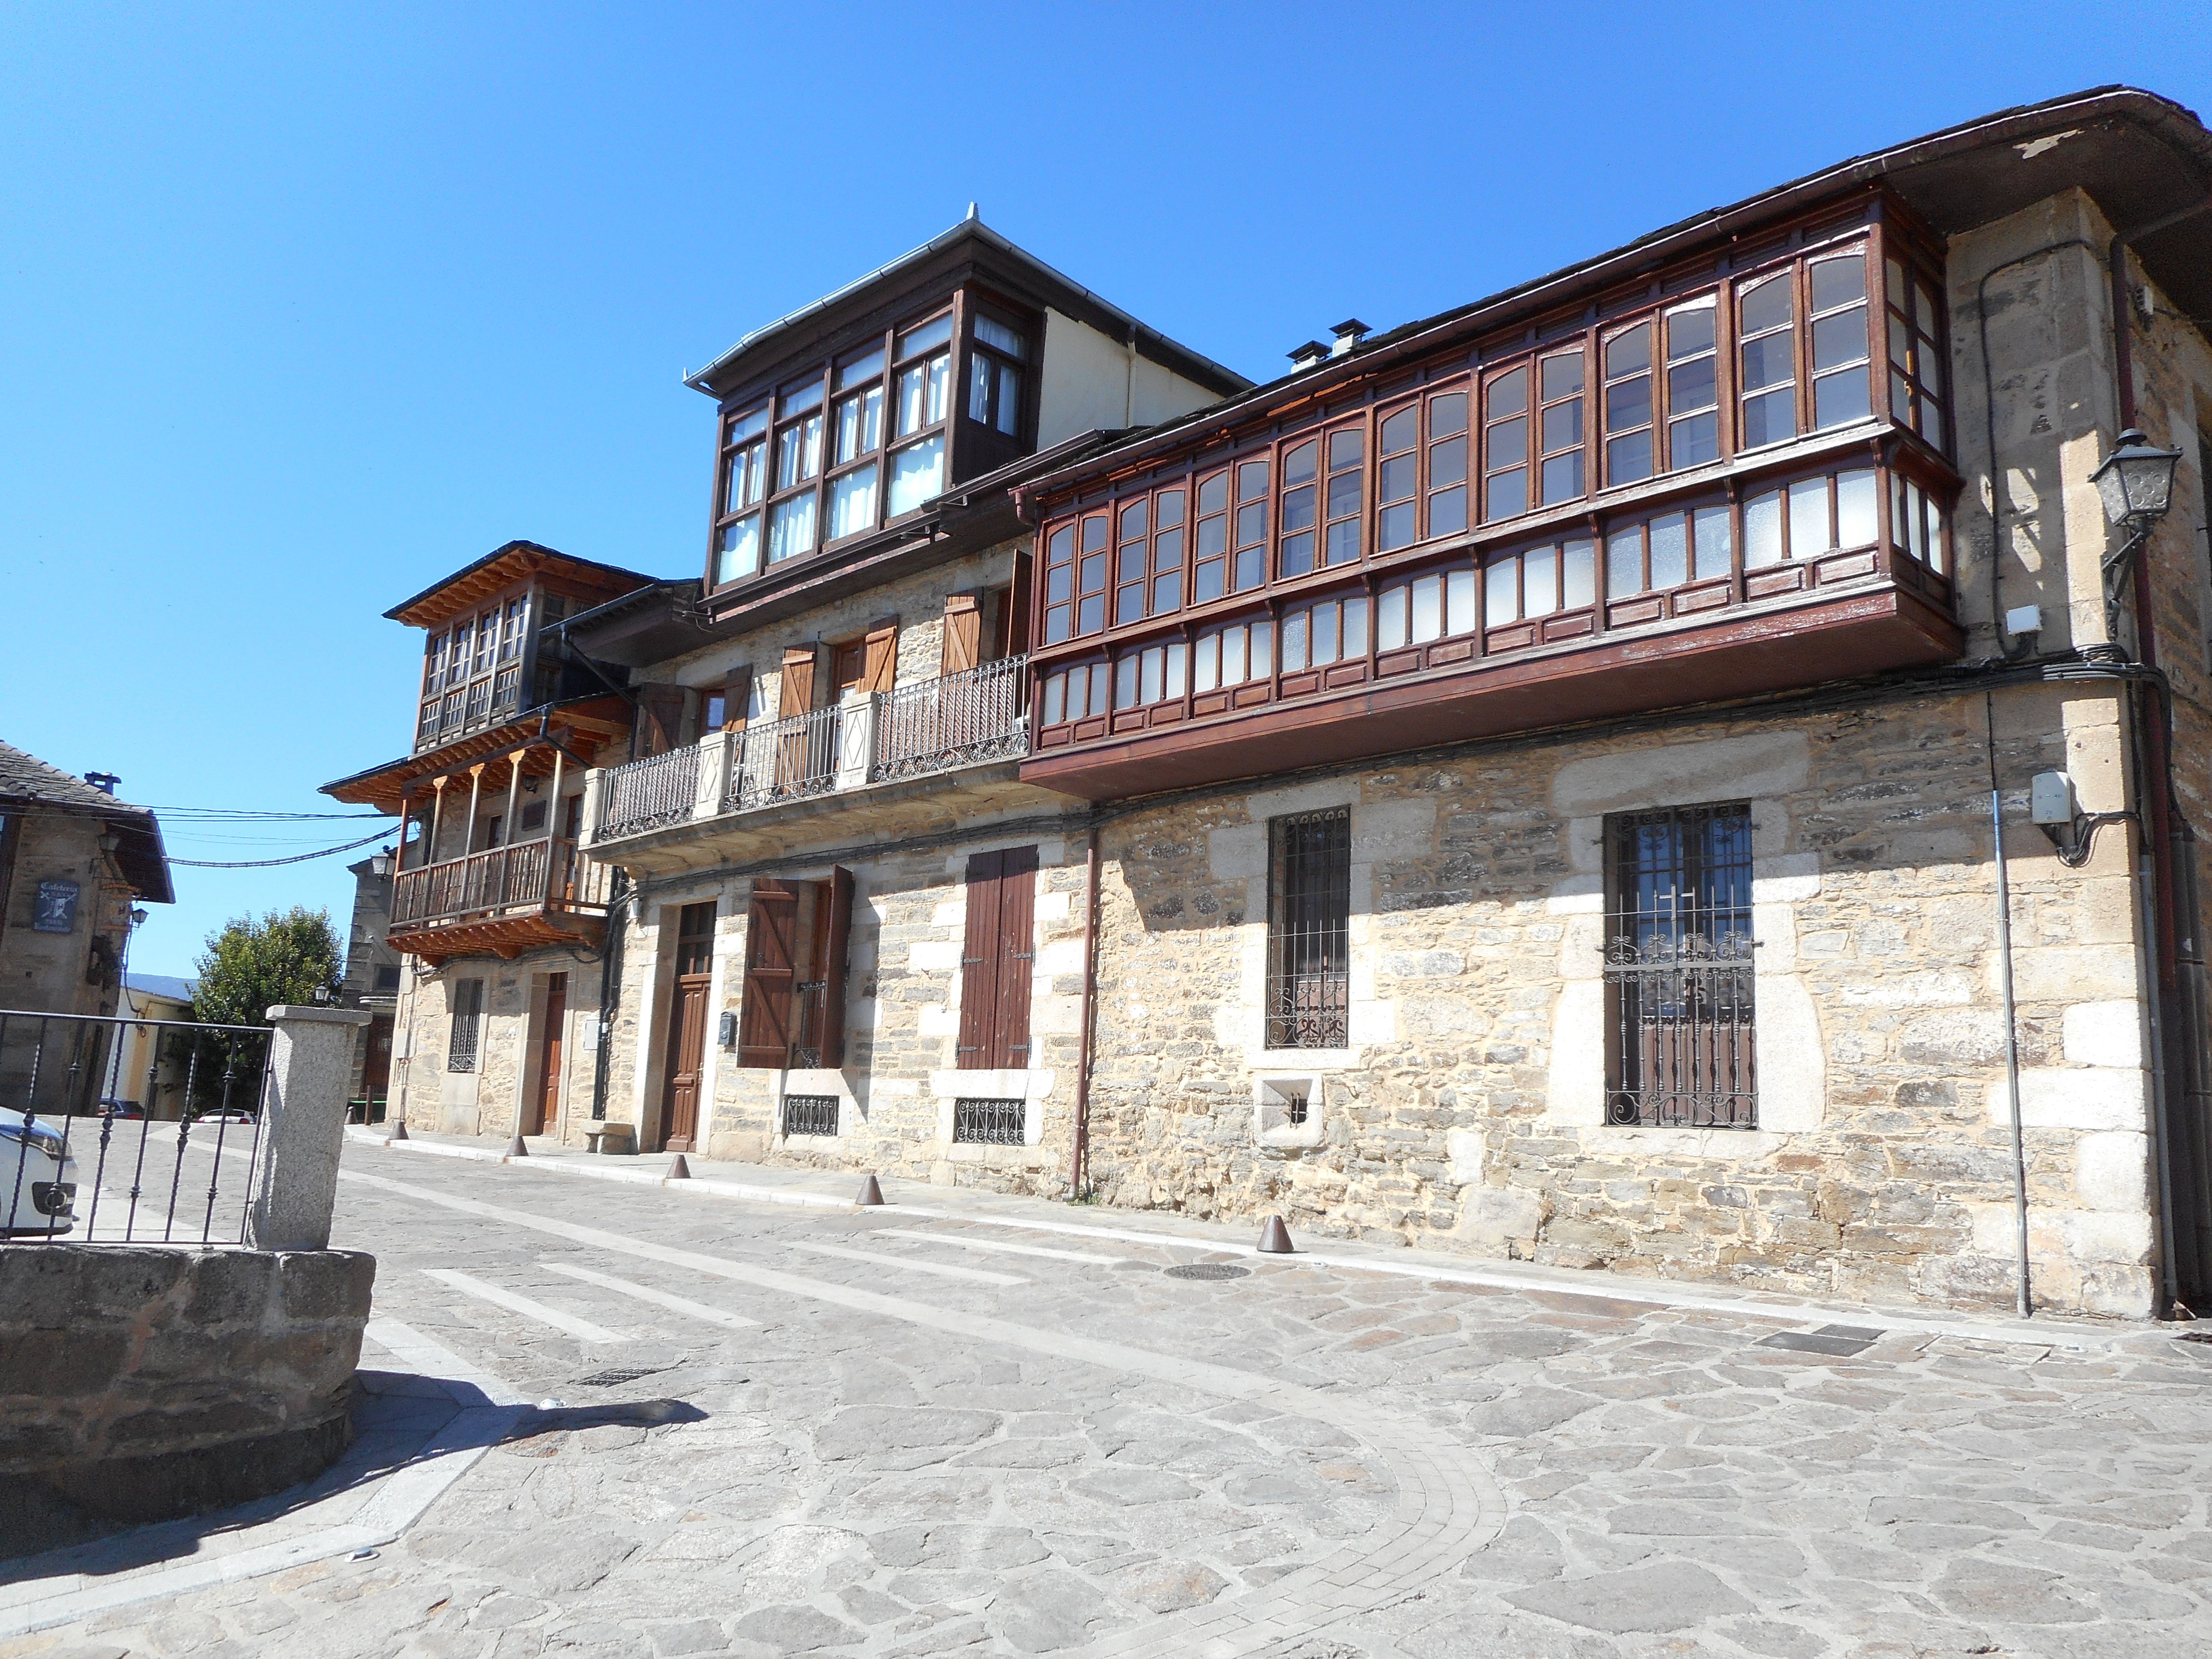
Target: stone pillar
713, 775
588, 831
295, 1167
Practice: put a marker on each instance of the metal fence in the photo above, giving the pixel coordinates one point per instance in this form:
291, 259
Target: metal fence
649, 794
115, 1130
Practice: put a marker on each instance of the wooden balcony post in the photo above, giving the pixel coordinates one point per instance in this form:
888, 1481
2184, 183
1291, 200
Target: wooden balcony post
506, 824
588, 830
437, 818
475, 794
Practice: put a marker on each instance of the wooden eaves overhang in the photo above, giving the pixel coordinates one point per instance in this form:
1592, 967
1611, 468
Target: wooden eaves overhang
580, 726
504, 568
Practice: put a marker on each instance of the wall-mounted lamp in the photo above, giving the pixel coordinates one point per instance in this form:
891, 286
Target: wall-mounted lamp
2135, 483
379, 863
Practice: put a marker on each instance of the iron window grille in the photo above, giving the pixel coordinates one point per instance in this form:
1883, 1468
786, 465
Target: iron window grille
987, 1122
1678, 969
1308, 930
809, 1114
468, 1023
806, 1036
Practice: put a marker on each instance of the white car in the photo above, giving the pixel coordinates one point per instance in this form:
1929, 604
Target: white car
38, 1176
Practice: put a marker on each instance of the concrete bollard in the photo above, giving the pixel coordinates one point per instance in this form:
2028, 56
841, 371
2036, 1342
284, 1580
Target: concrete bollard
303, 1115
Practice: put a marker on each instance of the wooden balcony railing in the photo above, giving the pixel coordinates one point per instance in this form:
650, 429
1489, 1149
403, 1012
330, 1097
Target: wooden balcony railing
498, 884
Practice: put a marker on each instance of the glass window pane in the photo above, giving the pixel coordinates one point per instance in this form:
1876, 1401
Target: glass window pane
853, 503
1713, 537
797, 452
1167, 550
1207, 580
1428, 622
1128, 605
750, 424
1167, 592
1395, 478
1399, 431
1345, 448
1299, 463
1171, 506
1459, 600
917, 474
1252, 525
1770, 417
1342, 542
859, 424
739, 553
1901, 397
1900, 294
1509, 494
1563, 426
1251, 480
1624, 563
1854, 508
1090, 615
915, 341
1154, 669
1765, 305
1923, 314
1448, 511
1934, 534
1690, 385
1694, 440
1931, 424
979, 389
1628, 404
865, 366
1010, 401
1808, 518
1762, 531
1930, 365
1447, 463
799, 397
1563, 477
1294, 642
1447, 414
1689, 331
1395, 527
1136, 519
1539, 581
1390, 618
1125, 682
1213, 536
791, 528
1092, 574
1508, 443
1768, 360
1578, 573
1059, 623
1263, 650
1327, 648
1233, 655
1251, 567
998, 336
1627, 353
1297, 553
1500, 603
1343, 495
1508, 394
1355, 628
1178, 668
1670, 551
1205, 671
1058, 583
1213, 493
1840, 399
1055, 698
1839, 338
1627, 460
1913, 525
1839, 281
1562, 375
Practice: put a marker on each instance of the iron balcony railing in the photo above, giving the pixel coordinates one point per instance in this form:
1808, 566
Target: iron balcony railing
962, 719
786, 760
545, 874
117, 1130
648, 795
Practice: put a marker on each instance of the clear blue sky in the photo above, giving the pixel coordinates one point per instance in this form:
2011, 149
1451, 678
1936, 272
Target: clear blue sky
306, 306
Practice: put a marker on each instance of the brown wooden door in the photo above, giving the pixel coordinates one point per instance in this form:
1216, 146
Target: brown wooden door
547, 1104
687, 1029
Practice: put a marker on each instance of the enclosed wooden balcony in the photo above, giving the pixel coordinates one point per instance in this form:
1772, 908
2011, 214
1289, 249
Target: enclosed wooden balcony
503, 901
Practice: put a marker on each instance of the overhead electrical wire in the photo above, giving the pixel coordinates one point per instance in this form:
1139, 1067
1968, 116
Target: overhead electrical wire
263, 864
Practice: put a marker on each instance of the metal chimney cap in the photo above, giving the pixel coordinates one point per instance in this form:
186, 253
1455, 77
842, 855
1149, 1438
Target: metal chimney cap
1352, 327
1311, 352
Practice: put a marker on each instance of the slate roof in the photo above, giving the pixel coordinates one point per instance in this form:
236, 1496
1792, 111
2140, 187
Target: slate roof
168, 986
28, 782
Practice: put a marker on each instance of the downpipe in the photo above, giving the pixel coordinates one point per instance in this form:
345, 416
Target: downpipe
2025, 1301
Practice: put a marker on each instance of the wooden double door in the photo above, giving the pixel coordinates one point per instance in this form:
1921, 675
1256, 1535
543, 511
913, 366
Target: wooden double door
686, 1058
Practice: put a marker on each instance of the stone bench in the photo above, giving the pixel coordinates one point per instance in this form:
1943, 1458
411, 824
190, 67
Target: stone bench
612, 1138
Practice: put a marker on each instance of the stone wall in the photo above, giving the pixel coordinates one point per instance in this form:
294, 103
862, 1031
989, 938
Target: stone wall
491, 1099
1468, 1112
141, 1381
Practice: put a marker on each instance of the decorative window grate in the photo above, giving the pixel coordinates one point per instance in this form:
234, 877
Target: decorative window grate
468, 1022
987, 1122
1678, 969
1308, 930
809, 1114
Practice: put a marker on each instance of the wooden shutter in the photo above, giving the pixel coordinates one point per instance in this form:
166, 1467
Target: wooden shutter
964, 630
764, 1015
737, 694
797, 694
880, 670
835, 897
1010, 1048
1018, 609
659, 720
996, 961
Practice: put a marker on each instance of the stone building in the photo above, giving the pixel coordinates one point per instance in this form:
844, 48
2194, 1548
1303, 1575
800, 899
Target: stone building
497, 929
73, 863
373, 970
1677, 767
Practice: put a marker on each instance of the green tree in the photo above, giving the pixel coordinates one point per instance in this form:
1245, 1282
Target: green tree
250, 966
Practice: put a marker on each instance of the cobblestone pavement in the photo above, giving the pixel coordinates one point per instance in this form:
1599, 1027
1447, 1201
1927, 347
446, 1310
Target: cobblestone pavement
770, 1431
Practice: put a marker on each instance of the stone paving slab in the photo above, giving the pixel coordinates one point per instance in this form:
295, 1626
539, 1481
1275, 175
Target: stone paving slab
1310, 1461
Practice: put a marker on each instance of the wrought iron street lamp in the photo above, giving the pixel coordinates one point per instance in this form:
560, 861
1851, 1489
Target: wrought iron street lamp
2135, 483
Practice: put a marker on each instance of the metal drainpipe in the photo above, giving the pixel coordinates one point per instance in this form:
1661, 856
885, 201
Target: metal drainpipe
609, 988
1079, 1162
2011, 1031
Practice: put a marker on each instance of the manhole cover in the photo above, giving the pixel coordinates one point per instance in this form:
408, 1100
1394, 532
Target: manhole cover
1206, 1270
615, 1378
1843, 1340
